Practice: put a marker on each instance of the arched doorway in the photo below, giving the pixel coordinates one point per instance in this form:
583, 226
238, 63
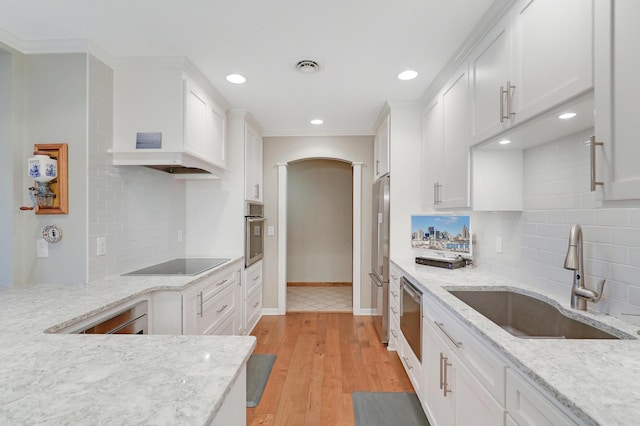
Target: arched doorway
356, 234
319, 236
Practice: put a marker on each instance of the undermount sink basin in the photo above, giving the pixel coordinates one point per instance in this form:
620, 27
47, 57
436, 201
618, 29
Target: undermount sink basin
527, 317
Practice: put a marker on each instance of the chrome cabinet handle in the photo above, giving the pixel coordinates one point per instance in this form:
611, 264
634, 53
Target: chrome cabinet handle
395, 277
441, 363
256, 278
394, 311
446, 333
393, 333
506, 93
394, 293
445, 381
592, 150
256, 304
201, 297
256, 191
222, 309
436, 193
218, 284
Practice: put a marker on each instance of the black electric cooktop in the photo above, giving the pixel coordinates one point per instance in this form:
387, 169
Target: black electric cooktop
188, 266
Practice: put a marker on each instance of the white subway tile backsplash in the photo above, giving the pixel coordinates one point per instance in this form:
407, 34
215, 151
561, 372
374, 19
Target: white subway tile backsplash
556, 196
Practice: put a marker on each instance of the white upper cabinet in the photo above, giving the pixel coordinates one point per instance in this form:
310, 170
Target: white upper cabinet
167, 97
538, 56
381, 148
253, 163
445, 133
617, 68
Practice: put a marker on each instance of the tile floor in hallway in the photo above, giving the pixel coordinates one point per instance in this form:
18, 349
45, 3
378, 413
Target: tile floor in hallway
319, 299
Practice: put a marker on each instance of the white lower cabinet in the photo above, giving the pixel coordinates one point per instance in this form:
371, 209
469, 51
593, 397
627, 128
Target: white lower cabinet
233, 411
207, 306
252, 298
529, 407
454, 395
394, 307
412, 365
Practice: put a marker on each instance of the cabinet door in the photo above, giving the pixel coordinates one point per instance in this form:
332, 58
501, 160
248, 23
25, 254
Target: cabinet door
553, 53
253, 164
216, 135
381, 149
195, 120
474, 404
431, 152
456, 123
616, 96
490, 69
440, 406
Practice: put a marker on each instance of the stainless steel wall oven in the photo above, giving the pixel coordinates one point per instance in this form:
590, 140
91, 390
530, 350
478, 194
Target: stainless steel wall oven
411, 316
253, 232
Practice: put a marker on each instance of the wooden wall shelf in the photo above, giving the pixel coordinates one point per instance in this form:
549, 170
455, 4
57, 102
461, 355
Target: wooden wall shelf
59, 185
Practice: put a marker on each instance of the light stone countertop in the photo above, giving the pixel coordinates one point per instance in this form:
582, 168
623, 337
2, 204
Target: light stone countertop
597, 380
108, 379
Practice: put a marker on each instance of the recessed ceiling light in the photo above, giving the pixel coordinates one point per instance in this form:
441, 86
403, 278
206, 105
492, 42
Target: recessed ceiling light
407, 75
236, 79
567, 115
504, 142
317, 121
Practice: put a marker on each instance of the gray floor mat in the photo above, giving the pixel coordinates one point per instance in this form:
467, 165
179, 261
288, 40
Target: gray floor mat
258, 370
388, 409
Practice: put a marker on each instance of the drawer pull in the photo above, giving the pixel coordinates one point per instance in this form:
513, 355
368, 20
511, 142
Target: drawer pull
222, 309
394, 293
406, 361
393, 333
218, 284
256, 278
200, 296
394, 311
395, 277
256, 304
444, 385
446, 333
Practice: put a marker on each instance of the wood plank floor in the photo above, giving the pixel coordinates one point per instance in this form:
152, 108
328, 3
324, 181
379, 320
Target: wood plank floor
321, 358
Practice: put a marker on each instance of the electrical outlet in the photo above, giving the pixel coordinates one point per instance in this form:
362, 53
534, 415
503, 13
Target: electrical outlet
271, 231
180, 236
42, 248
101, 246
498, 244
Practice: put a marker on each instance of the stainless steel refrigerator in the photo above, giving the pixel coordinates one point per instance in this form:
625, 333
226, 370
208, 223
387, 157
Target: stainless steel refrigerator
380, 258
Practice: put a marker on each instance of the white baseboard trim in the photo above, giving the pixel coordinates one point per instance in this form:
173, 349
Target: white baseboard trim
365, 311
270, 311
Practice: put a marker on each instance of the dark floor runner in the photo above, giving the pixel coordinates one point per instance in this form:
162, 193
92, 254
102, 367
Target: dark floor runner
388, 409
258, 370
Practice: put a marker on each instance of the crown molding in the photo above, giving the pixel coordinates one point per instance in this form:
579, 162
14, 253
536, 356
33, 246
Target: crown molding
34, 47
319, 133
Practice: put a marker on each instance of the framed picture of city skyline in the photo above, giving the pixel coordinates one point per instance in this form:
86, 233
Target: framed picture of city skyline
442, 234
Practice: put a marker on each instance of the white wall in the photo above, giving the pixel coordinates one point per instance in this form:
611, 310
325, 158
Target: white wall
289, 149
319, 221
55, 111
556, 196
405, 176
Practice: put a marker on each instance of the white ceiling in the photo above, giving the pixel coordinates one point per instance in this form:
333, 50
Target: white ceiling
361, 46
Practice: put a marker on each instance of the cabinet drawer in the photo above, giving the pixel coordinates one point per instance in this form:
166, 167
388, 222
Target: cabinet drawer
253, 310
487, 367
394, 332
253, 279
226, 328
412, 366
216, 283
216, 309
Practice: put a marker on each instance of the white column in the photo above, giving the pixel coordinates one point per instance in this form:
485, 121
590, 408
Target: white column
282, 238
357, 236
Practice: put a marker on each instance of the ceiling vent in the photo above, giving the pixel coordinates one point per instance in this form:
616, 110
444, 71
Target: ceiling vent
307, 66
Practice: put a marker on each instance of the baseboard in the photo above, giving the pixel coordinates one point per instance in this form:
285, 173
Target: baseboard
319, 284
270, 311
365, 311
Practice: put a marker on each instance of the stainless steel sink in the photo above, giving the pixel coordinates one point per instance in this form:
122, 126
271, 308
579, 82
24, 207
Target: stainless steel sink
527, 317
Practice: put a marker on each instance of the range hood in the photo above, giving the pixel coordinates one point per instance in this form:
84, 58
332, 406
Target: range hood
182, 164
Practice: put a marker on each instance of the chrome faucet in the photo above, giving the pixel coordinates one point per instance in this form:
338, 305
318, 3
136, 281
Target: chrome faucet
574, 262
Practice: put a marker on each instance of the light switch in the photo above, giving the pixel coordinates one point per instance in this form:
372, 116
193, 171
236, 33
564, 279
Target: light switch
498, 244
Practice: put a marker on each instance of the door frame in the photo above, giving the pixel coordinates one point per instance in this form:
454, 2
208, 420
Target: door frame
356, 275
